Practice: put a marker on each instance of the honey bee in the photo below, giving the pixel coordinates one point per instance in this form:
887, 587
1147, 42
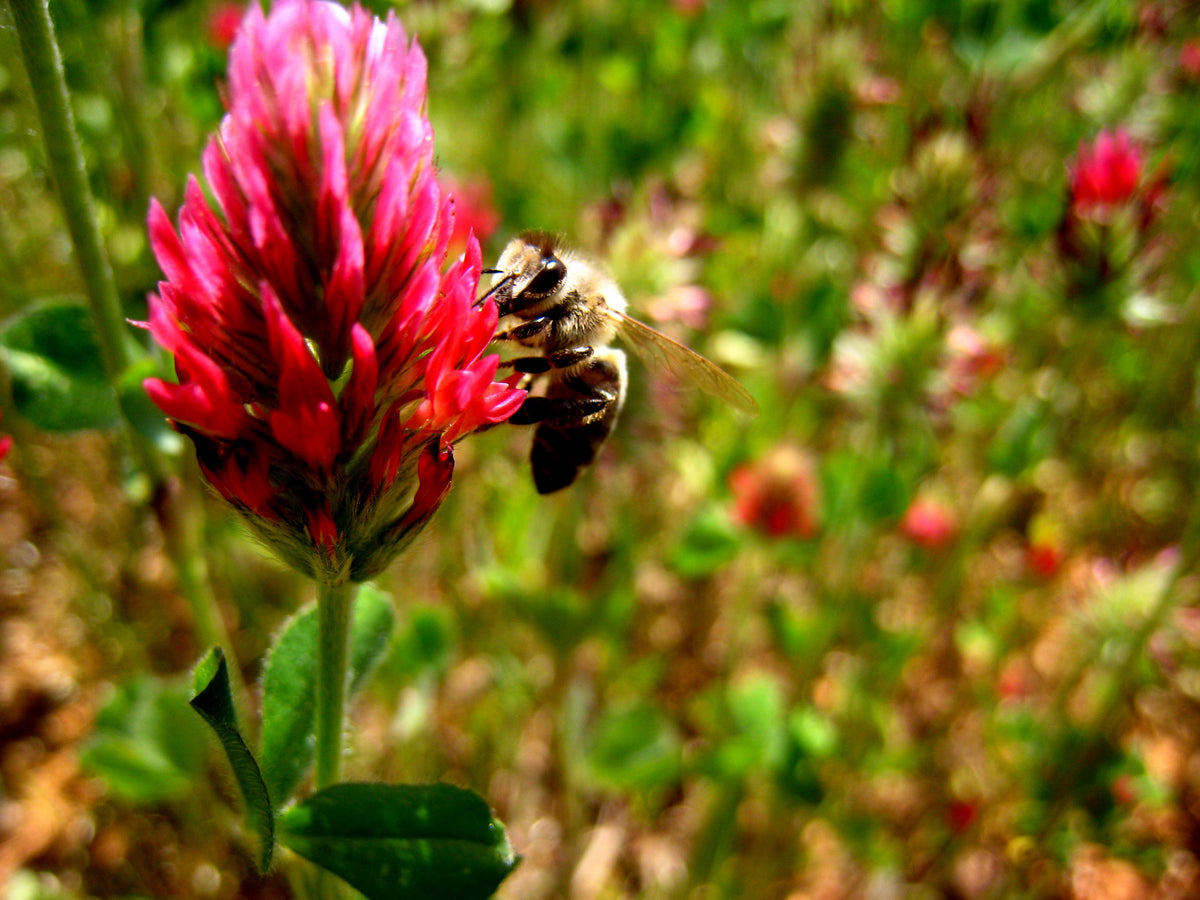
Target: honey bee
555, 301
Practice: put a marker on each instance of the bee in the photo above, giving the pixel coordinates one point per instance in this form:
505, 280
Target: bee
555, 301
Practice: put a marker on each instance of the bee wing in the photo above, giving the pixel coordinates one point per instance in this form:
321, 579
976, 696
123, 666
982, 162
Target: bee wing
685, 363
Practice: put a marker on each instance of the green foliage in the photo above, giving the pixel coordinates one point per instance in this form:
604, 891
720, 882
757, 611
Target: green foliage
402, 841
53, 360
747, 724
863, 212
634, 747
147, 745
709, 543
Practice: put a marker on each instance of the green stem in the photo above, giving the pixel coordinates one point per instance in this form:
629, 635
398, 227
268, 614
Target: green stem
43, 63
181, 522
715, 839
334, 609
178, 516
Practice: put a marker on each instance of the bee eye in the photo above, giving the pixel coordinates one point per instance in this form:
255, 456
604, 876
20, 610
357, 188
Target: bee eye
546, 281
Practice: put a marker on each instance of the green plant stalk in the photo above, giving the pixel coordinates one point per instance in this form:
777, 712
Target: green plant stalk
178, 515
182, 523
43, 63
131, 83
115, 68
335, 605
715, 838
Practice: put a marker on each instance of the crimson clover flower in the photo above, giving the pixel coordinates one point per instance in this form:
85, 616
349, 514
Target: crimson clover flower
1106, 173
326, 363
778, 495
929, 523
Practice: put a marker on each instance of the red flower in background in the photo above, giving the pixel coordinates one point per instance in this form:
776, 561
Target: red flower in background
1045, 550
326, 363
1105, 174
961, 815
778, 495
222, 23
1044, 557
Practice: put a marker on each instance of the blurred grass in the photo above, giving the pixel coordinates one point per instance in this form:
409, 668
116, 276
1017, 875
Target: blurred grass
660, 700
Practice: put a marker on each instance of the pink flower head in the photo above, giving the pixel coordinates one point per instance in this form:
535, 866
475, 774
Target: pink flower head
778, 495
1106, 174
326, 363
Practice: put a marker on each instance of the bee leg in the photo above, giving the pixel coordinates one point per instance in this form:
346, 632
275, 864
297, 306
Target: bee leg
559, 359
531, 328
560, 410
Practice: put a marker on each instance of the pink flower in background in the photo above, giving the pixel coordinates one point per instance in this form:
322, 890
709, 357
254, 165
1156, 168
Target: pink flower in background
778, 495
929, 523
1189, 58
326, 363
688, 7
1106, 173
971, 359
687, 304
6, 443
474, 211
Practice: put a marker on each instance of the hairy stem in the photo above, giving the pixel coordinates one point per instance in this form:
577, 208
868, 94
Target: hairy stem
334, 612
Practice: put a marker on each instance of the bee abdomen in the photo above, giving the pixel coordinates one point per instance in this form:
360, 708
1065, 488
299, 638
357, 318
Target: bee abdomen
565, 445
560, 454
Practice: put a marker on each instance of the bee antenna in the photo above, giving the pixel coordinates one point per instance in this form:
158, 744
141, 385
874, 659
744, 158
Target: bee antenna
490, 271
495, 287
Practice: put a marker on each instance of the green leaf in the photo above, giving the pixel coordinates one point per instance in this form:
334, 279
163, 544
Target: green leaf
709, 544
425, 642
636, 747
748, 728
1023, 440
53, 360
214, 703
394, 842
289, 686
139, 409
147, 746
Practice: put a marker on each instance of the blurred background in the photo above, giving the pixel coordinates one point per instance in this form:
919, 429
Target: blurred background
927, 627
